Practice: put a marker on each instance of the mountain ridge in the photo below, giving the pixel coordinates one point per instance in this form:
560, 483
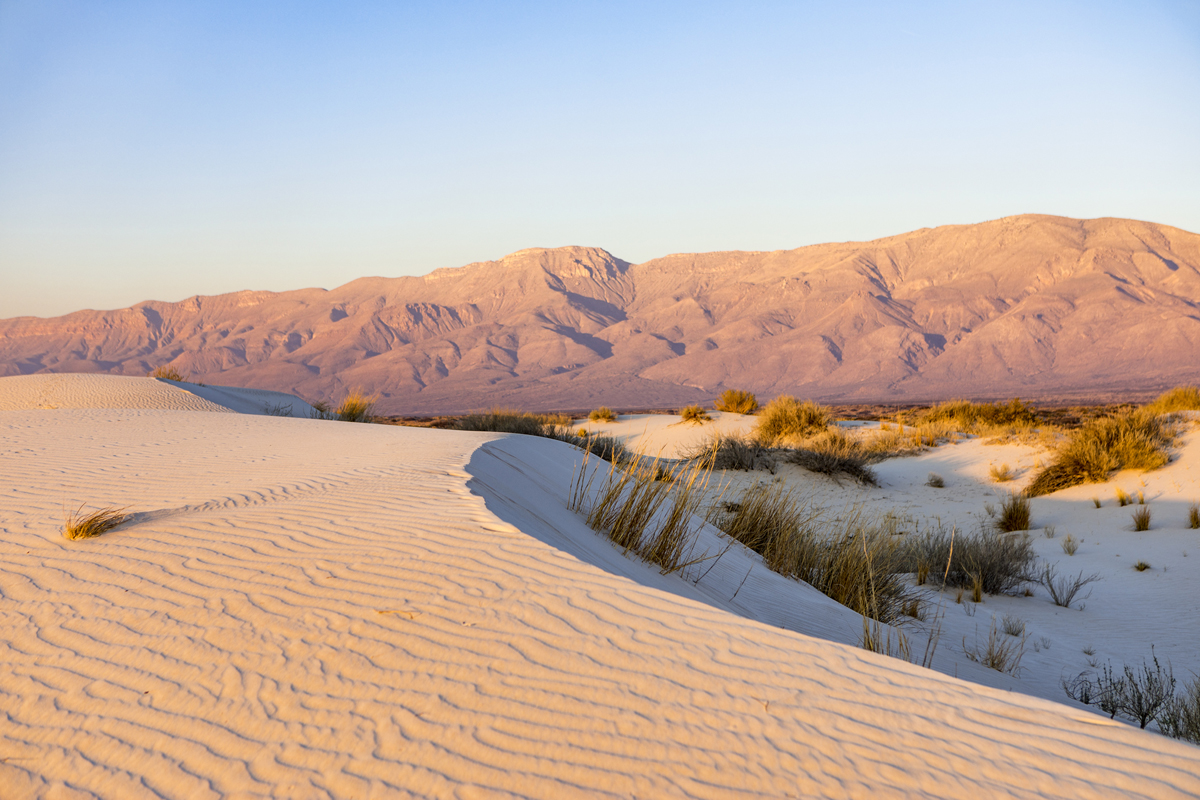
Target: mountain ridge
1029, 305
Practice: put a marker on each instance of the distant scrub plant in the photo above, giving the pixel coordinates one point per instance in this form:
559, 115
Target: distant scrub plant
355, 407
736, 401
968, 415
695, 414
603, 414
1001, 474
1132, 440
550, 426
1014, 514
1194, 515
1181, 398
167, 373
785, 417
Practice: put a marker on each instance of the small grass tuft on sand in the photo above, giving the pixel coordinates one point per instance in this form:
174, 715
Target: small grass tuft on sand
96, 523
736, 401
355, 407
1141, 566
936, 481
785, 417
1194, 515
695, 415
1141, 518
1001, 474
1015, 514
167, 373
1070, 545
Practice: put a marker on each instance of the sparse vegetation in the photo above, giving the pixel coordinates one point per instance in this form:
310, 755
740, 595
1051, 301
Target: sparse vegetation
1013, 626
1001, 474
1049, 531
786, 418
996, 564
602, 414
1180, 716
1140, 695
1132, 440
831, 453
550, 426
355, 407
1096, 502
1194, 515
167, 373
1181, 398
1123, 499
1141, 518
695, 414
936, 481
1070, 545
1064, 589
998, 652
846, 557
1015, 514
79, 525
735, 401
1141, 566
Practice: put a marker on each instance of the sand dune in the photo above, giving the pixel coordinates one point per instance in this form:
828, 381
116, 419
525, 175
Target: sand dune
321, 609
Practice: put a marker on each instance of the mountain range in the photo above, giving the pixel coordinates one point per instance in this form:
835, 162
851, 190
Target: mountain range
1035, 306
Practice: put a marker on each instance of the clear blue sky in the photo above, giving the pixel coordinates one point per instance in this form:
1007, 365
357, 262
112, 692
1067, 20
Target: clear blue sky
163, 149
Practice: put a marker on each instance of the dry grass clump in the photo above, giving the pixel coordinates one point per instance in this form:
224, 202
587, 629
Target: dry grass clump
785, 417
1015, 514
1181, 398
968, 416
848, 558
1070, 545
1141, 519
734, 451
695, 414
832, 453
1141, 566
1001, 474
167, 373
999, 652
1063, 589
355, 407
1133, 440
642, 513
86, 526
735, 401
550, 426
982, 562
1180, 716
1194, 515
1123, 499
1142, 696
603, 414
936, 481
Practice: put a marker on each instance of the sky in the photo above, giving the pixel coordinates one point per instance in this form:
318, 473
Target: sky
159, 150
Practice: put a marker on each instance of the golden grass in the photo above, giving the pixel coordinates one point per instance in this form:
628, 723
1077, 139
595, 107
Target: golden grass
603, 414
355, 407
736, 401
967, 416
1001, 474
785, 417
1141, 518
1132, 440
1194, 515
1014, 514
1181, 398
86, 526
166, 373
695, 415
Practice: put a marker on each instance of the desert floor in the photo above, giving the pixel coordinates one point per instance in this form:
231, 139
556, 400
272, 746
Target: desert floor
307, 608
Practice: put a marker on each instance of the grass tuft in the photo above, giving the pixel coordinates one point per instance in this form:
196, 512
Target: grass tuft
603, 414
1070, 545
1181, 398
1123, 499
86, 526
1015, 514
785, 417
1000, 653
1141, 518
969, 416
1141, 566
1001, 474
1133, 440
1194, 515
1096, 502
1063, 589
736, 401
167, 373
695, 414
996, 564
936, 481
355, 407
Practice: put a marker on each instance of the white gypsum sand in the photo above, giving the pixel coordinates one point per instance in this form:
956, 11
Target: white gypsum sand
319, 609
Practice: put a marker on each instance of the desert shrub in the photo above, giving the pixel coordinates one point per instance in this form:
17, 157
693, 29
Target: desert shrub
848, 558
1001, 474
500, 420
1014, 514
832, 453
999, 652
1070, 545
603, 414
1194, 515
79, 525
891, 443
1181, 398
1063, 589
1133, 440
1141, 695
936, 481
736, 401
1013, 626
785, 417
1049, 531
694, 414
734, 451
1180, 716
997, 564
967, 415
167, 373
1141, 519
355, 407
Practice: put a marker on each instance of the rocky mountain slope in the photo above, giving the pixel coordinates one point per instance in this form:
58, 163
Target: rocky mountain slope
1035, 306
